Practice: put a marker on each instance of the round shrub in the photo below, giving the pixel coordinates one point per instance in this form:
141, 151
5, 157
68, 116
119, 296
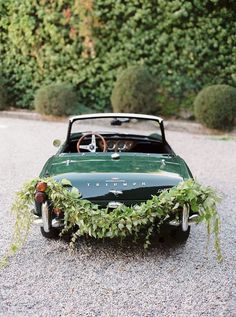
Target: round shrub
3, 97
215, 107
135, 91
57, 100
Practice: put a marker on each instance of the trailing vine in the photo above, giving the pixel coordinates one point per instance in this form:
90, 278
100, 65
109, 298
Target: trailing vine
85, 218
21, 209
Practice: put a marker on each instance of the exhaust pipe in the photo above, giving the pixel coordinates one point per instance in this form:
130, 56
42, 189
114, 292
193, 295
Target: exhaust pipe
37, 221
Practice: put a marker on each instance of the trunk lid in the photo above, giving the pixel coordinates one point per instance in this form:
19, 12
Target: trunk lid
131, 179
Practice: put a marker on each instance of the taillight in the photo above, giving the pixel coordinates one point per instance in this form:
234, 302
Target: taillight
41, 186
40, 197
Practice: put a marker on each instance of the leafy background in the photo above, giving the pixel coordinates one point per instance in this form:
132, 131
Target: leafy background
188, 44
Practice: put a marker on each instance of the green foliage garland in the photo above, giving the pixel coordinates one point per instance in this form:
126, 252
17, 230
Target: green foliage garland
87, 218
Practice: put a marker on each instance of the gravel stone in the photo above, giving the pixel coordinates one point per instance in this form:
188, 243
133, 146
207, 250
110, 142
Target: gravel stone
104, 279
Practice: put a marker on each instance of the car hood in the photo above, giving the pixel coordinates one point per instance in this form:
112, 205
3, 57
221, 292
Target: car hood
131, 178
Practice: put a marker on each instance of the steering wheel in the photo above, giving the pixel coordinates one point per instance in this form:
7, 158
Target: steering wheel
92, 147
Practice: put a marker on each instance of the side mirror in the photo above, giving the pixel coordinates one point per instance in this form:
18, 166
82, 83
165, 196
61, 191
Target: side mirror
56, 143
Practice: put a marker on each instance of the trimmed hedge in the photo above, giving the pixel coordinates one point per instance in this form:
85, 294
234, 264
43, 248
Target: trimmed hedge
58, 100
215, 107
3, 96
135, 91
187, 44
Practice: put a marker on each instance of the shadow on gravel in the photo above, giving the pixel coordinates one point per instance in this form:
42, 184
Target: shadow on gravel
128, 247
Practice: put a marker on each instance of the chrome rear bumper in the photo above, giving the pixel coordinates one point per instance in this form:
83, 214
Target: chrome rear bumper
186, 220
46, 221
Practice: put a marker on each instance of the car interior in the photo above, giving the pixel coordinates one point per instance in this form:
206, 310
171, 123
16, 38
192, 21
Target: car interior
80, 143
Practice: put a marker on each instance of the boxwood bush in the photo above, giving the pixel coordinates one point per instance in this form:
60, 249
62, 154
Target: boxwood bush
135, 91
58, 100
215, 107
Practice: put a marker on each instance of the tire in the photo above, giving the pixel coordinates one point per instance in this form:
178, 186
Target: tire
52, 234
173, 235
179, 236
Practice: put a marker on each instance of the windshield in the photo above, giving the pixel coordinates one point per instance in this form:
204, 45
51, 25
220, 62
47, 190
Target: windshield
122, 125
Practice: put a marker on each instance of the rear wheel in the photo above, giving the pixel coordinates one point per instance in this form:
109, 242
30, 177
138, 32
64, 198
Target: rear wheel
52, 234
179, 236
55, 233
173, 235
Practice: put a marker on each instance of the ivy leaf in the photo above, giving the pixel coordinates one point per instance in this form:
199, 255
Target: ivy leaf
176, 206
135, 223
129, 227
66, 182
120, 226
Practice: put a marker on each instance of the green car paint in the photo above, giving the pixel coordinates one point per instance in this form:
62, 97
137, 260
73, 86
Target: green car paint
130, 179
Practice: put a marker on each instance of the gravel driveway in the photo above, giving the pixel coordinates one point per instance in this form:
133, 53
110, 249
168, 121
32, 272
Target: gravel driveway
106, 279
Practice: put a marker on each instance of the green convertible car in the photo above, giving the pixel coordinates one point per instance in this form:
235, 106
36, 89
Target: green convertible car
113, 159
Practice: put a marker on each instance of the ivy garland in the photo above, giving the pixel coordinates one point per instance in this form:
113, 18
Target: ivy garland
87, 218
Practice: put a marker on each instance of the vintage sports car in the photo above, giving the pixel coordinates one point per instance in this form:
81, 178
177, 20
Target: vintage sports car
113, 159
